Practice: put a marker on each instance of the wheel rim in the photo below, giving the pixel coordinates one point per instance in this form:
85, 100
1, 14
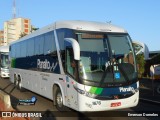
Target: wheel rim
15, 82
158, 89
59, 100
19, 85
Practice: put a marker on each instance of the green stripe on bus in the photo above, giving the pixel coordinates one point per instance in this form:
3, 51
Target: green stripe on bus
93, 90
13, 63
99, 91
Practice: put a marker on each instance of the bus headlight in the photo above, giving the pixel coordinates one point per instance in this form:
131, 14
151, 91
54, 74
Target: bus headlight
88, 94
5, 70
80, 91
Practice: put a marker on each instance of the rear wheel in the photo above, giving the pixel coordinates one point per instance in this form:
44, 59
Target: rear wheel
19, 86
15, 80
158, 89
19, 83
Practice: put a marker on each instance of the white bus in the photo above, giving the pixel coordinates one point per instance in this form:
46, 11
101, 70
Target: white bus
86, 66
4, 61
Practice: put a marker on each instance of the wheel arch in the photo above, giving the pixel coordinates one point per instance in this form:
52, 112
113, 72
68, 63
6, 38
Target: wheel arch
54, 88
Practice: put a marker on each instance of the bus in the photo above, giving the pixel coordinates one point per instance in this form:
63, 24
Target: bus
82, 65
4, 61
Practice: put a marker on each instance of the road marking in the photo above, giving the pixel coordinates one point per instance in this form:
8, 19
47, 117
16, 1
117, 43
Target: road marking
150, 100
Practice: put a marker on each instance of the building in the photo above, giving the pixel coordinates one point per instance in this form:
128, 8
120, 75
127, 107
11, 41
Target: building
141, 48
151, 57
14, 28
1, 37
154, 53
154, 59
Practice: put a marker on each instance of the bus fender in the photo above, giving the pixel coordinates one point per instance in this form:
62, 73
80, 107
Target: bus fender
55, 86
19, 75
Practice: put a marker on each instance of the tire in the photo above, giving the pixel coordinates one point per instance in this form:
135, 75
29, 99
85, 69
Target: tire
19, 86
15, 80
158, 89
59, 100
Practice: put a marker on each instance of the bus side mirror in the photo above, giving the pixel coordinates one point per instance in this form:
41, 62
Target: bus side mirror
76, 47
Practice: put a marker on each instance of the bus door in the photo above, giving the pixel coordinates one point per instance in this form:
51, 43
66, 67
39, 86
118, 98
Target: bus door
71, 76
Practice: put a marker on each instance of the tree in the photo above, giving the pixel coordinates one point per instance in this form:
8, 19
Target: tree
33, 28
141, 64
22, 35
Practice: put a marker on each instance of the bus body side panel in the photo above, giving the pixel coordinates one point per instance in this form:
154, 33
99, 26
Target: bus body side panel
42, 83
38, 82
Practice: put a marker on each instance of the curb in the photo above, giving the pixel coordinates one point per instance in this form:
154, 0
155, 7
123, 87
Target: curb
5, 101
5, 106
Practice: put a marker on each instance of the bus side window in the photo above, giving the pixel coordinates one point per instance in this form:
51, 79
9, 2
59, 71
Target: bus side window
70, 61
128, 58
71, 68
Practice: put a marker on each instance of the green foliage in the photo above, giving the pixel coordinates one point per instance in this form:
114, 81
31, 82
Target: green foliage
141, 64
22, 35
33, 29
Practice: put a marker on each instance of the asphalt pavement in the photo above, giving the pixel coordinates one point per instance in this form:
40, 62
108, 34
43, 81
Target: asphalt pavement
149, 90
50, 111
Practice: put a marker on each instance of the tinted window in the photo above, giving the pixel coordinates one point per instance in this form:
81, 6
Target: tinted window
49, 43
18, 50
30, 47
23, 48
64, 33
13, 51
39, 45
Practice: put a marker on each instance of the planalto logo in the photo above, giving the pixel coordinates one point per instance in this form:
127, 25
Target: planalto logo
46, 65
128, 89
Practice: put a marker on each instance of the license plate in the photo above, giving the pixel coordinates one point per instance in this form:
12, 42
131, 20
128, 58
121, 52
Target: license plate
116, 104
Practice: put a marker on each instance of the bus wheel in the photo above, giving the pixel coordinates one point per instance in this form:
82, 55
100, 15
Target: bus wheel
59, 100
19, 86
15, 80
158, 89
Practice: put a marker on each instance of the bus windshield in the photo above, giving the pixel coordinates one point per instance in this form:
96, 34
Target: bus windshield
106, 58
4, 61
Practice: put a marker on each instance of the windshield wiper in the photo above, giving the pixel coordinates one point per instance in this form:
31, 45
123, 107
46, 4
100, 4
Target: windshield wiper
120, 67
109, 68
99, 70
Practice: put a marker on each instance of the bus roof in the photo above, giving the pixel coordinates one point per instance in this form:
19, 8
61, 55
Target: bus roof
77, 25
89, 26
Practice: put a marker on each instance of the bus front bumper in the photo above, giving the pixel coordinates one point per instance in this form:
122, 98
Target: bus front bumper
90, 104
4, 75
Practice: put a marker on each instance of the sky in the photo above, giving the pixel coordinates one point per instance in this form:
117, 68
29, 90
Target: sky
141, 18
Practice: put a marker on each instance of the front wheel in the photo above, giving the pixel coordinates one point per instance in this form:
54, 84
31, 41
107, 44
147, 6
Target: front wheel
158, 89
59, 100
